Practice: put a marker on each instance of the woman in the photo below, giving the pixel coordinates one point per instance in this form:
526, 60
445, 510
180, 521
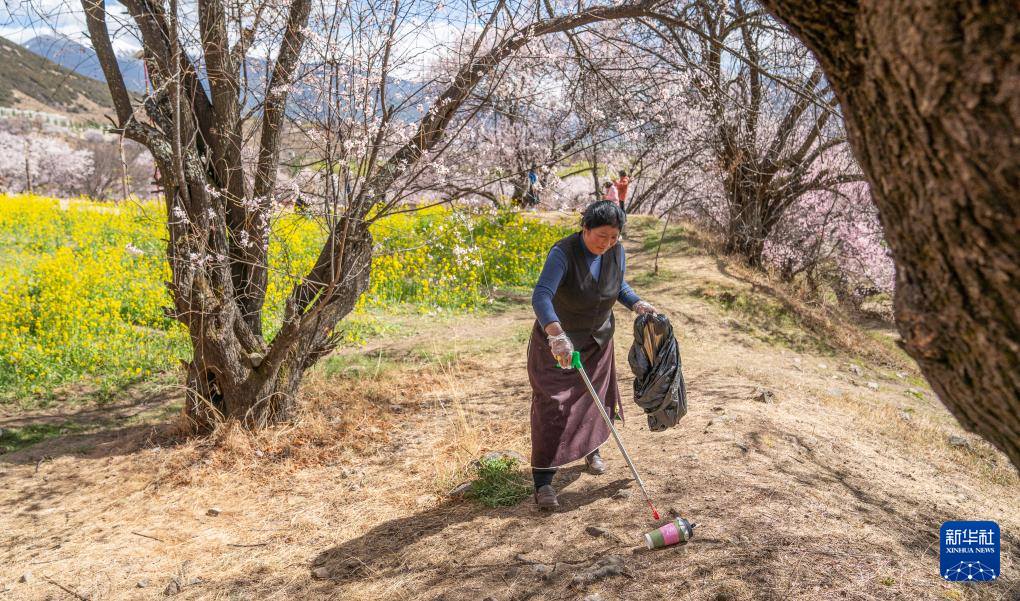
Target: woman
621, 189
582, 279
609, 192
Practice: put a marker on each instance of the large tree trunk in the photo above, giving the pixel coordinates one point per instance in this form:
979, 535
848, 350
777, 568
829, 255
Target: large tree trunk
931, 95
233, 376
747, 201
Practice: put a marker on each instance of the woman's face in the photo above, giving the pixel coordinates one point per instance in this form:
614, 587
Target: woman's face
600, 239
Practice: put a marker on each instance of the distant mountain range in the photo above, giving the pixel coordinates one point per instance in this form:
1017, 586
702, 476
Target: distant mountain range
55, 71
83, 60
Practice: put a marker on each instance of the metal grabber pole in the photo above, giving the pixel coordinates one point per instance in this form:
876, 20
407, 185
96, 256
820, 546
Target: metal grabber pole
575, 362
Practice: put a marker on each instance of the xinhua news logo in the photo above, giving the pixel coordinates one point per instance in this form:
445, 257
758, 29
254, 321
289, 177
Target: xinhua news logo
970, 551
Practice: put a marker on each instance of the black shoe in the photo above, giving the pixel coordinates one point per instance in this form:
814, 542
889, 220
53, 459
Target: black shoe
545, 497
595, 463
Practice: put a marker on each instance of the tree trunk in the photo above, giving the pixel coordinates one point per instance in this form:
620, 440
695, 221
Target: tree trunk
931, 96
234, 390
745, 235
747, 231
231, 376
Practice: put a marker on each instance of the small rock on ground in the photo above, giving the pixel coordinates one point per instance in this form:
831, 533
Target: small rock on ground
504, 454
321, 573
958, 441
214, 511
457, 492
596, 531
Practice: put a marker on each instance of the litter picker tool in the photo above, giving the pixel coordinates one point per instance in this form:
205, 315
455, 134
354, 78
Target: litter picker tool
575, 362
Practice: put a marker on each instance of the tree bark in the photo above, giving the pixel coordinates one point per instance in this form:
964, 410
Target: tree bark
931, 96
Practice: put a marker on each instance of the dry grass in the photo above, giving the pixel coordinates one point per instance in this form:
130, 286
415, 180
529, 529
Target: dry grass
818, 495
927, 431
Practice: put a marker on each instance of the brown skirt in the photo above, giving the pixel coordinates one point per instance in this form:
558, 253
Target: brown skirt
565, 423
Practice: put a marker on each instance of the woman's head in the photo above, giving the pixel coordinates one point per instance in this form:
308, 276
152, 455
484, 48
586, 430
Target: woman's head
607, 185
601, 224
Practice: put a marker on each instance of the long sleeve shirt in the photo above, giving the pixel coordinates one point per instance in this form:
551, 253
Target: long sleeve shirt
555, 270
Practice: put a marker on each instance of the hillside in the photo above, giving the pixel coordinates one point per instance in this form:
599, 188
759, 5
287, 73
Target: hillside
83, 60
31, 82
814, 458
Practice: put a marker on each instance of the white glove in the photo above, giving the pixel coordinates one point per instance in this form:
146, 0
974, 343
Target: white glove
561, 348
643, 307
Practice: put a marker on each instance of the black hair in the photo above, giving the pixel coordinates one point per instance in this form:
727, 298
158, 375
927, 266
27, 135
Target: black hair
603, 212
607, 183
623, 173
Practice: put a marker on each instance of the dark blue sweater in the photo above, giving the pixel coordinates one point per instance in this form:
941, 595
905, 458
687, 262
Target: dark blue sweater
552, 276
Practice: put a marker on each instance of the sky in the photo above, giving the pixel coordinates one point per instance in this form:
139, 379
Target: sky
22, 20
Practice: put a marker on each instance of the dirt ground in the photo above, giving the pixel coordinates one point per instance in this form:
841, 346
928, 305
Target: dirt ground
835, 488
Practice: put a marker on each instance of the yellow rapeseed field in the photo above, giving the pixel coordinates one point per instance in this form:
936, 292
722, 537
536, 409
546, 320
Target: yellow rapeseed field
82, 291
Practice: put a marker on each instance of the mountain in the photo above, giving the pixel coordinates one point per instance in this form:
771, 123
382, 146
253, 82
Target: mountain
83, 60
32, 82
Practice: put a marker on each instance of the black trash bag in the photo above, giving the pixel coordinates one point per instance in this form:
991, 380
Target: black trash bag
658, 382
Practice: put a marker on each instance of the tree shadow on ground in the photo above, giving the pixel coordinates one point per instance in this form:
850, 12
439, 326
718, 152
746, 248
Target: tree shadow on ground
104, 413
378, 553
75, 427
108, 442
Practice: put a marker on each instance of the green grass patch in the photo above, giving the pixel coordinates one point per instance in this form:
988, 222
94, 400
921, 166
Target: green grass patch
436, 356
500, 483
357, 329
646, 278
375, 366
762, 318
580, 168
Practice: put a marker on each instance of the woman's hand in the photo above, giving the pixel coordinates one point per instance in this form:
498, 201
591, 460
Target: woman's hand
644, 307
561, 348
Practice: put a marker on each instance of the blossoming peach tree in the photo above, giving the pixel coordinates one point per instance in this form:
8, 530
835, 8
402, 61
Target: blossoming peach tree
234, 84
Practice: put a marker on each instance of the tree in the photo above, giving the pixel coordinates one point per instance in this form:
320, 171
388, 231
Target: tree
773, 119
929, 91
645, 114
210, 101
514, 119
119, 167
41, 164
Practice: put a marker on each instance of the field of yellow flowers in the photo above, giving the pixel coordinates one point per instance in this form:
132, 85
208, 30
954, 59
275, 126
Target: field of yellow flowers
82, 291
